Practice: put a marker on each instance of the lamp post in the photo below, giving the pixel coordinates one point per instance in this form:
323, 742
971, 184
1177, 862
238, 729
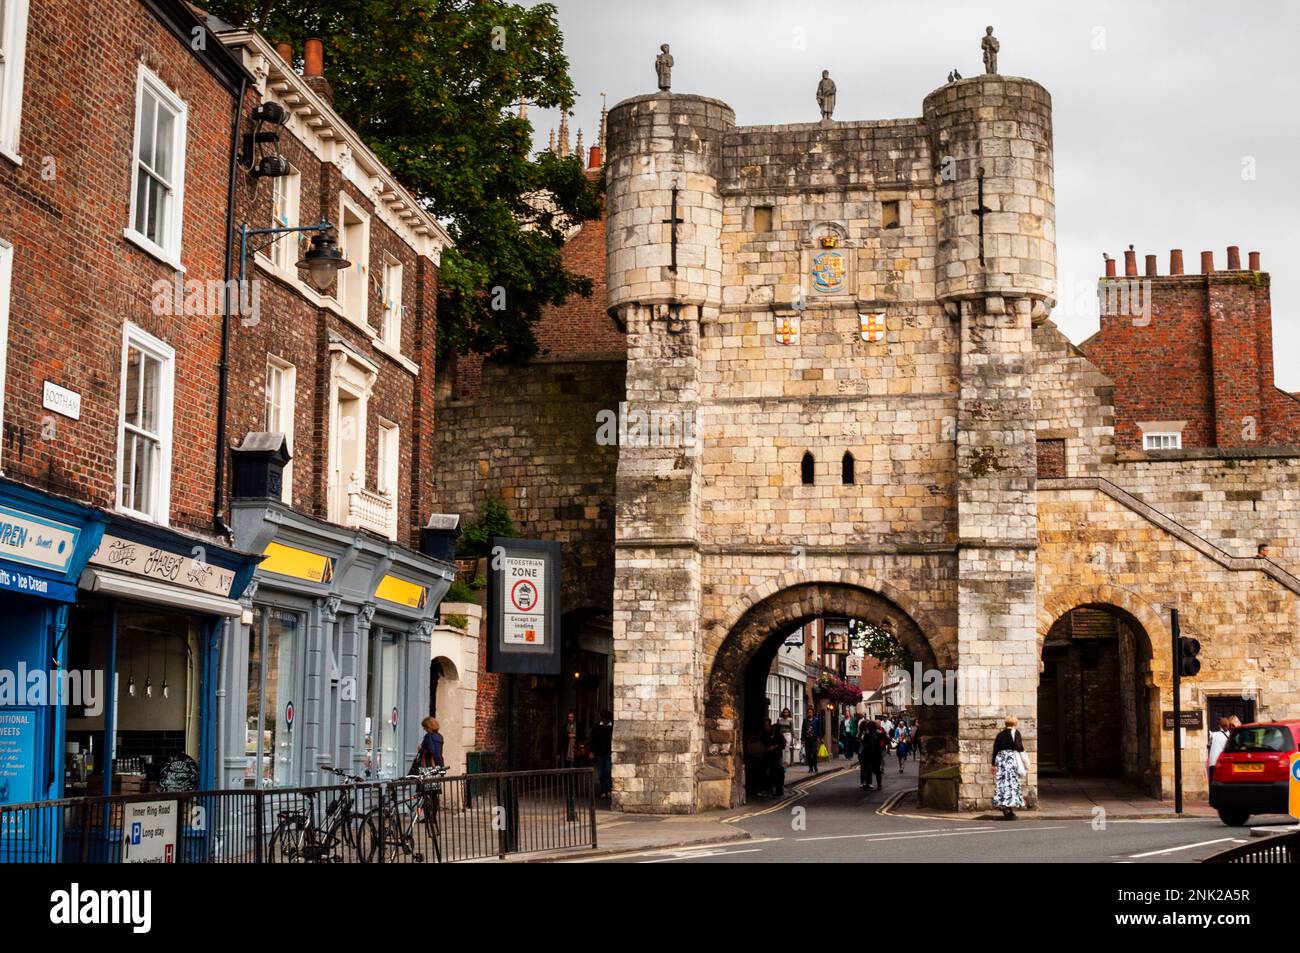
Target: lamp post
322, 260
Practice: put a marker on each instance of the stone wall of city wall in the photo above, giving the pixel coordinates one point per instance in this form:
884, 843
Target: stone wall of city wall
1093, 550
1074, 404
531, 439
1236, 499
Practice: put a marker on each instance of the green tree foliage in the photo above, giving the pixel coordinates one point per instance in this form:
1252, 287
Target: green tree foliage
493, 520
880, 644
433, 87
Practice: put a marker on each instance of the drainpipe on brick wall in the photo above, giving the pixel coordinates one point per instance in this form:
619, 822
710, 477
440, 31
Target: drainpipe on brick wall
232, 303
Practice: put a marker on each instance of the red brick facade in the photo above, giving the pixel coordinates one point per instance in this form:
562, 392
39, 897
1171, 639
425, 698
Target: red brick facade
77, 279
1194, 351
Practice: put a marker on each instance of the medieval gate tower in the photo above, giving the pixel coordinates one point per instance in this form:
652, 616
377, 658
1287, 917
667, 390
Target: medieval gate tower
829, 330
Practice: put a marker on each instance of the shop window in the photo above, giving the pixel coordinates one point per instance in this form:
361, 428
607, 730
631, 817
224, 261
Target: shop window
145, 435
268, 735
13, 42
158, 169
281, 388
384, 706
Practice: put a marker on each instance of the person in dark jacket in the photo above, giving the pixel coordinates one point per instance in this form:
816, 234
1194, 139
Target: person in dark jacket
431, 746
871, 754
600, 747
812, 738
773, 769
1009, 766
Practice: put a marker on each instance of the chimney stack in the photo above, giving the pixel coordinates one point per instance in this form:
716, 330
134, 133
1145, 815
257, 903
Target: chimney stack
1254, 261
1234, 258
1110, 265
1176, 261
313, 68
1151, 266
593, 162
285, 49
1130, 263
1207, 262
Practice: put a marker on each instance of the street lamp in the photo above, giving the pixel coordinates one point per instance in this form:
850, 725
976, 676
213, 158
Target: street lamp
321, 261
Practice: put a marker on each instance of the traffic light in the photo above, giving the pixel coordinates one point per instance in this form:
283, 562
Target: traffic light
1188, 664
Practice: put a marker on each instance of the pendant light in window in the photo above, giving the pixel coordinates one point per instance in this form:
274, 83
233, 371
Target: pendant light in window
130, 682
166, 692
148, 673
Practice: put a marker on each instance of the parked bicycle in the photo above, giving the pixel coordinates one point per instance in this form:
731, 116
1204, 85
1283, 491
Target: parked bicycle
408, 826
340, 836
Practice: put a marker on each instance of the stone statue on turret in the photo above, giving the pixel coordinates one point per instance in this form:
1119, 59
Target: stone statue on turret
989, 43
826, 95
664, 67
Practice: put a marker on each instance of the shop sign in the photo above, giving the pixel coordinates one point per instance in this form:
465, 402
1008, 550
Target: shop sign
149, 832
523, 591
29, 539
17, 763
152, 562
402, 593
33, 585
297, 563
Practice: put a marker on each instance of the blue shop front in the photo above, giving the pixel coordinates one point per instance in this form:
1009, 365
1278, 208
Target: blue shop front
45, 544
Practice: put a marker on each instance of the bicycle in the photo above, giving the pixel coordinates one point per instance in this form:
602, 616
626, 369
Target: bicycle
297, 837
400, 816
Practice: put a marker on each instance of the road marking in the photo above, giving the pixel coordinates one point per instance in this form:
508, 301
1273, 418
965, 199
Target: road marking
1174, 850
789, 799
706, 853
658, 851
882, 838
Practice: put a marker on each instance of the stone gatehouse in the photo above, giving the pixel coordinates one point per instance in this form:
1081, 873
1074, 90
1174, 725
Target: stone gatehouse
852, 321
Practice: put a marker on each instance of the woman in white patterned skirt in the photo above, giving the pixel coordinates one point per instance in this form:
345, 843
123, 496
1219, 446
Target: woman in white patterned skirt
1008, 769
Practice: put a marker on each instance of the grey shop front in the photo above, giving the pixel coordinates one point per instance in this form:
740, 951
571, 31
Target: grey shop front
328, 664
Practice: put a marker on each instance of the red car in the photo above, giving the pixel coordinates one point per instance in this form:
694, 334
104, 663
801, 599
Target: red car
1250, 776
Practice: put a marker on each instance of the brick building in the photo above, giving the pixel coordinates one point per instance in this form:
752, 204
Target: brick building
338, 646
1191, 356
113, 207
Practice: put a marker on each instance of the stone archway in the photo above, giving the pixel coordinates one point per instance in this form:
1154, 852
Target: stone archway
758, 628
449, 708
1134, 726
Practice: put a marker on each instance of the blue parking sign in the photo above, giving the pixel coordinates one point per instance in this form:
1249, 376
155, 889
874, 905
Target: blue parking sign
135, 833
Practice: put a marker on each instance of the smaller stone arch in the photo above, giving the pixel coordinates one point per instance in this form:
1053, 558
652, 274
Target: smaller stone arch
1105, 596
808, 468
448, 706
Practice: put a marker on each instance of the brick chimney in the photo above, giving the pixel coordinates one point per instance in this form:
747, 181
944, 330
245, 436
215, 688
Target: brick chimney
313, 69
285, 50
1176, 261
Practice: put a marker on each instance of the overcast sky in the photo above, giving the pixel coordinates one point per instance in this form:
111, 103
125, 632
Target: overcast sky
1158, 108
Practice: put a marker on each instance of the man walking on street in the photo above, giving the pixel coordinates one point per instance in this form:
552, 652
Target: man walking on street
812, 738
871, 755
600, 746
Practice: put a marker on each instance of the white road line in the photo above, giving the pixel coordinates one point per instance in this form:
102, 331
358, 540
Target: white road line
710, 853
883, 838
1174, 850
658, 851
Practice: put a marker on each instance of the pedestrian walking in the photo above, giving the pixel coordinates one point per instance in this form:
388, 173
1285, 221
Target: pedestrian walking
600, 748
570, 740
430, 753
773, 768
786, 724
871, 755
1009, 767
1218, 741
904, 742
812, 738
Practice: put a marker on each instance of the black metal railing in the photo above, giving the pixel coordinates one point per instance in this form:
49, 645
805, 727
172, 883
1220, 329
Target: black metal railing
411, 820
1274, 849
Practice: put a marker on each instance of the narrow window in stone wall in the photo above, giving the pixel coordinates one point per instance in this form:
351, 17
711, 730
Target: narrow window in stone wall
762, 218
889, 215
806, 469
846, 469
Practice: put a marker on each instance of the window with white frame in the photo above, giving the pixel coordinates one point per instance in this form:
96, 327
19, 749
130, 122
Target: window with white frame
13, 45
354, 242
6, 271
145, 436
391, 330
158, 169
1162, 441
386, 470
286, 191
281, 387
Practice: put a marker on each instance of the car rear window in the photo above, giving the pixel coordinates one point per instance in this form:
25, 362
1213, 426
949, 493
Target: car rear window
1261, 738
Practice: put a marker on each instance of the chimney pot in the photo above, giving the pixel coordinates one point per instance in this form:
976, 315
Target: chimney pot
1207, 262
1110, 267
1130, 264
594, 158
1151, 266
1254, 261
313, 58
1234, 258
285, 50
1176, 261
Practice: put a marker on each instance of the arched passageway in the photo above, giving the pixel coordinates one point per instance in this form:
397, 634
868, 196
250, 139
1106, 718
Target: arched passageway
1098, 707
735, 693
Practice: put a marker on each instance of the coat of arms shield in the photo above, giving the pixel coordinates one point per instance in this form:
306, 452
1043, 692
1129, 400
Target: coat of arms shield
872, 326
828, 271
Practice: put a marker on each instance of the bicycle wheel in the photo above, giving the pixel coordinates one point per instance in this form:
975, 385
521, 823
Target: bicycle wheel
290, 841
392, 844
